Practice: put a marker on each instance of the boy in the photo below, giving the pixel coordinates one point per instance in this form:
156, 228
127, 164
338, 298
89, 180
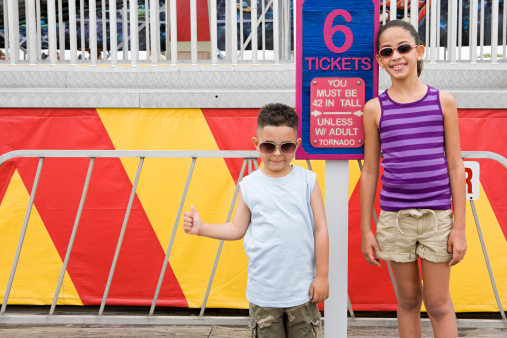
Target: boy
281, 214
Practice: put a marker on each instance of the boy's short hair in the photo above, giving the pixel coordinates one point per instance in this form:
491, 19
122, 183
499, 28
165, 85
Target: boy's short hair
277, 114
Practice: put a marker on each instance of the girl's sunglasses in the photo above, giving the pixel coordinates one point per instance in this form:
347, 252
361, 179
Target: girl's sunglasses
402, 49
286, 148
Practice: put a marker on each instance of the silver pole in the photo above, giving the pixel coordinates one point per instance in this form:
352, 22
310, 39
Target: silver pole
92, 26
219, 251
125, 32
276, 31
193, 32
32, 31
61, 30
147, 26
494, 32
73, 32
13, 23
104, 31
155, 36
113, 34
213, 32
234, 32
22, 235
173, 235
134, 33
253, 31
82, 26
73, 235
174, 34
486, 258
122, 233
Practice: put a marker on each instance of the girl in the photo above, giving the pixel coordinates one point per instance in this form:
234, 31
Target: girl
417, 127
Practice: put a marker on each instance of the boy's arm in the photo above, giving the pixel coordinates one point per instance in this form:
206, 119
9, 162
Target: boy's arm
193, 225
369, 178
457, 243
319, 290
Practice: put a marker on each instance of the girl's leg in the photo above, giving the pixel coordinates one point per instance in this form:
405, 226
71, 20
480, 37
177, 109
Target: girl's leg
408, 282
437, 299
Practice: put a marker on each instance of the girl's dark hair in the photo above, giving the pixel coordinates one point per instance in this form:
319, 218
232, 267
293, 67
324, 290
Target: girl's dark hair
277, 114
409, 28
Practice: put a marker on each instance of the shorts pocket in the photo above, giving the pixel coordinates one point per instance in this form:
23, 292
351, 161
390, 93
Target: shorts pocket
317, 327
386, 230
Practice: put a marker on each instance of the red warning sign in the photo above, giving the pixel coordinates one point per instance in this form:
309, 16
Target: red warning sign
336, 119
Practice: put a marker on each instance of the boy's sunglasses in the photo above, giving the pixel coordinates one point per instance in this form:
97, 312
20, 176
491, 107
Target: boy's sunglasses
286, 148
402, 49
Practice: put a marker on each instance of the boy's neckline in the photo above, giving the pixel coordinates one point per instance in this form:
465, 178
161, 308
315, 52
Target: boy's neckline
277, 177
408, 103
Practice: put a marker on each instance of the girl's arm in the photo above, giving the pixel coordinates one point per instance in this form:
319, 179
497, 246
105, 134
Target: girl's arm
369, 178
457, 244
193, 225
319, 290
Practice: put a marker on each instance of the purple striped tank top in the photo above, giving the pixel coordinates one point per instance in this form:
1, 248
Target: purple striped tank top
415, 168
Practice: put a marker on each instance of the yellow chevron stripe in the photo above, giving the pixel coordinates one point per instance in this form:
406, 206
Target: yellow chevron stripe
39, 264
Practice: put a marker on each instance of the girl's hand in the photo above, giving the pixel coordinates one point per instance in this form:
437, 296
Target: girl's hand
457, 245
370, 244
319, 290
192, 222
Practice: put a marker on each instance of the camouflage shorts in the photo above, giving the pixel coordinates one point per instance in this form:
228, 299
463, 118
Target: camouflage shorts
302, 321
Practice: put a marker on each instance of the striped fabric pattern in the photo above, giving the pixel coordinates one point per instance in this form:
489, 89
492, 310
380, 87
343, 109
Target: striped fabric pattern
415, 167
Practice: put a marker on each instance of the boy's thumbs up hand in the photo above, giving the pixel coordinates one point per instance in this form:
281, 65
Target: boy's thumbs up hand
192, 221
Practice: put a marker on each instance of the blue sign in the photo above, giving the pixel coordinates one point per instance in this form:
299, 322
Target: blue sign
336, 74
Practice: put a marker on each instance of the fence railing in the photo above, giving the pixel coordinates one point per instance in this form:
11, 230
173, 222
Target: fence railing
136, 32
249, 164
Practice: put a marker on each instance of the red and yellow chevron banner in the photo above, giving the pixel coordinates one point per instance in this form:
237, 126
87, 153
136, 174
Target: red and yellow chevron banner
156, 204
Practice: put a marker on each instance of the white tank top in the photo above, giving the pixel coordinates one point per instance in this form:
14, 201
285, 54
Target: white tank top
279, 241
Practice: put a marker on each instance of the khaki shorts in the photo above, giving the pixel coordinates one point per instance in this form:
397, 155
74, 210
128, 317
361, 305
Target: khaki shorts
302, 321
405, 235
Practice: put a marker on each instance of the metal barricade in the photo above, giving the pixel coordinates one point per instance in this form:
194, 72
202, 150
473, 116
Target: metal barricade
249, 163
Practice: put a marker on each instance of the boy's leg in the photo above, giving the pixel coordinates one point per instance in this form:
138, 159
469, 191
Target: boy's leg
267, 322
437, 299
303, 321
409, 288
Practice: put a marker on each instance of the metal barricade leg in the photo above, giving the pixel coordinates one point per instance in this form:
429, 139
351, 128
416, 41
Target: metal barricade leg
173, 235
22, 236
486, 258
219, 251
122, 233
73, 235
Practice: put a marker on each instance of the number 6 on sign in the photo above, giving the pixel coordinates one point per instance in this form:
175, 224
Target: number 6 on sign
329, 31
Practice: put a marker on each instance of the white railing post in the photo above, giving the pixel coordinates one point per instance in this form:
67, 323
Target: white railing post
472, 41
414, 14
174, 34
234, 32
31, 31
125, 32
52, 31
276, 31
494, 32
433, 31
213, 31
73, 32
393, 10
253, 30
61, 30
482, 30
113, 34
104, 30
92, 25
82, 28
193, 32
155, 28
134, 33
452, 28
13, 19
